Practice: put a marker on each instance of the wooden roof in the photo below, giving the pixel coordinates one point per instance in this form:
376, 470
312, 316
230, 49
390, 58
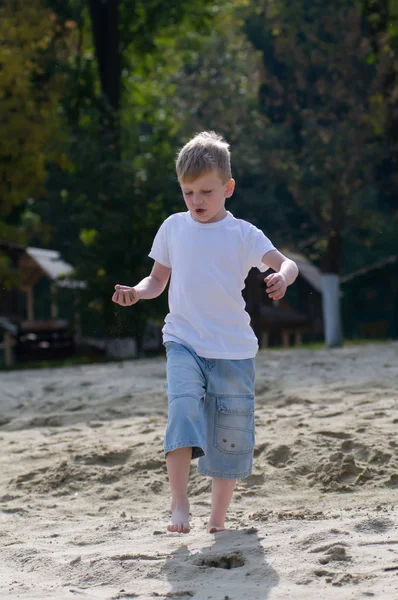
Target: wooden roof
34, 263
380, 264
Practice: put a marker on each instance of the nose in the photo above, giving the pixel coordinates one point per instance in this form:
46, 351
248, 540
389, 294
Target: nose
196, 199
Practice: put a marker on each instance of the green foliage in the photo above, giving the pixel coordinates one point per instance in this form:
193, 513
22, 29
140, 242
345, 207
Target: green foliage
107, 202
322, 101
299, 89
29, 122
27, 102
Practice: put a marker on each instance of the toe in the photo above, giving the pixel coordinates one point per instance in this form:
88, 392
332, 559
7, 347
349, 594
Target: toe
214, 529
178, 527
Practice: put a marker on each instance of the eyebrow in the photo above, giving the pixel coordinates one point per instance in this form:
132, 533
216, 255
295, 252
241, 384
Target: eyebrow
208, 189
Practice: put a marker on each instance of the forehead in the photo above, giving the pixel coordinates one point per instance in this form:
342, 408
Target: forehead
208, 180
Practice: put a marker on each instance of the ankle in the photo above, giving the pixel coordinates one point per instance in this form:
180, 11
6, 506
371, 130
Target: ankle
216, 523
179, 501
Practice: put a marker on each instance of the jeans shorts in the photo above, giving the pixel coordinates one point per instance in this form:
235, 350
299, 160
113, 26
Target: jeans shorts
211, 409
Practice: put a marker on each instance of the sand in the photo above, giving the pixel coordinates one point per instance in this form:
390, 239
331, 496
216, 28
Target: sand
84, 495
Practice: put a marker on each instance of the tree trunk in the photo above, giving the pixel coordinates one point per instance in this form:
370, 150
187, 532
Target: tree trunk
105, 28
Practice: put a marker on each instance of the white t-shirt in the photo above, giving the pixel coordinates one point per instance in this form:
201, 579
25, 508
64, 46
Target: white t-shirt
209, 263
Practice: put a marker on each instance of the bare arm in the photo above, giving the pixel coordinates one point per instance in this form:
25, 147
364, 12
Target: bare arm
286, 273
155, 284
150, 287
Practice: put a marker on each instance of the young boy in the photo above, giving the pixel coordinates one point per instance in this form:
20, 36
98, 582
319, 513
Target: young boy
209, 343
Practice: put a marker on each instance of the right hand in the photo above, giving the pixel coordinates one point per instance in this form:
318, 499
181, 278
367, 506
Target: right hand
125, 295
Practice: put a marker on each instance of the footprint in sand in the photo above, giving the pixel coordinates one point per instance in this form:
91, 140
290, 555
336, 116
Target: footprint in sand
393, 481
258, 450
314, 539
232, 560
336, 553
106, 457
340, 472
278, 456
254, 479
374, 525
340, 435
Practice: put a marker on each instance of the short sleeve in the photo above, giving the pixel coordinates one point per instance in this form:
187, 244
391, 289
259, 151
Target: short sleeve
160, 247
258, 245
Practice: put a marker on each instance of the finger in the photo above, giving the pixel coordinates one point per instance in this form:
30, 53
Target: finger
122, 288
274, 278
126, 298
129, 297
120, 298
274, 288
278, 296
274, 284
269, 278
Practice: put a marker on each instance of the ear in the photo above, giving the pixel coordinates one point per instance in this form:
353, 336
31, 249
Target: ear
229, 188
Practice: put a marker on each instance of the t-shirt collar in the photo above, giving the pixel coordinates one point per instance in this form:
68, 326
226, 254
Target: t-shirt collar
220, 223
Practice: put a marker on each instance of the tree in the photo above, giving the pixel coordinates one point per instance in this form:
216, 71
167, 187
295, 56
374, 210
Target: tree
119, 182
381, 18
320, 96
28, 117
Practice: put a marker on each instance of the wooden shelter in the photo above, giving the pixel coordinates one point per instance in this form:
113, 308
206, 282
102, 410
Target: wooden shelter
296, 317
25, 336
370, 300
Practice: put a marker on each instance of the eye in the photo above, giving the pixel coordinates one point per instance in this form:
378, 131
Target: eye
188, 193
207, 191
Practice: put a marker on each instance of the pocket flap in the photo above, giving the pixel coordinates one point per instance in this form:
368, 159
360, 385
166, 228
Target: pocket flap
236, 405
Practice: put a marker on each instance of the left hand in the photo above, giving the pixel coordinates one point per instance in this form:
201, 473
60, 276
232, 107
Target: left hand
276, 286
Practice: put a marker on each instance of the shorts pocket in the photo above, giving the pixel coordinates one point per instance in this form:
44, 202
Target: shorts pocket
234, 427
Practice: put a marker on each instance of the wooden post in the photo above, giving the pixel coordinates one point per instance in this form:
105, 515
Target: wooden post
298, 338
286, 338
8, 357
77, 318
264, 339
30, 312
54, 306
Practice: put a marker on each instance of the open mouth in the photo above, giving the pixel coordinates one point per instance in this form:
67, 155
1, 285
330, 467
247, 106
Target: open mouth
200, 211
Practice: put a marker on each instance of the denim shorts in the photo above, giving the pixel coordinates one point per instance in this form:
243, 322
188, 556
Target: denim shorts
211, 409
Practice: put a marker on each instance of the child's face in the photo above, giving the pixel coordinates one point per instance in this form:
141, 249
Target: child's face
205, 197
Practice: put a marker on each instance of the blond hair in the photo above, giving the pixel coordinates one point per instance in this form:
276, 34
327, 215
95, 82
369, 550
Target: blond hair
204, 153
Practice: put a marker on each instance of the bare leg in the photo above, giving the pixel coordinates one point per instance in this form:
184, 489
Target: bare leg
221, 495
178, 463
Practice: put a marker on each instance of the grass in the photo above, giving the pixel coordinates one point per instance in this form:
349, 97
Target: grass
72, 361
321, 345
75, 361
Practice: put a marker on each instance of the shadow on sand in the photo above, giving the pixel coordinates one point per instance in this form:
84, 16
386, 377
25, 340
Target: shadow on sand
232, 567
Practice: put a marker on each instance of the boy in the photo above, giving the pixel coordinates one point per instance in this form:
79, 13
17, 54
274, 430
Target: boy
210, 345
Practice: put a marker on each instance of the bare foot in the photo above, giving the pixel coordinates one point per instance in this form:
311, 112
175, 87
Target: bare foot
179, 518
215, 529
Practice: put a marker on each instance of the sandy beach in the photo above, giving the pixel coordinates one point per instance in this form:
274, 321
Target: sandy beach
84, 498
